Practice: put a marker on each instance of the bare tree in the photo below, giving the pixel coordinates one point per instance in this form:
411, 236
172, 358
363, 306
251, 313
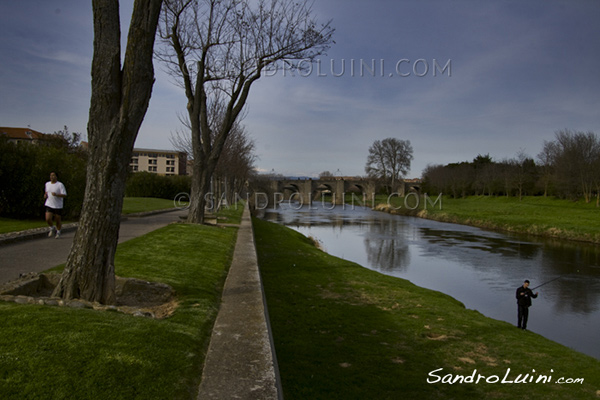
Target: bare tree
120, 97
575, 162
389, 160
546, 159
217, 49
235, 164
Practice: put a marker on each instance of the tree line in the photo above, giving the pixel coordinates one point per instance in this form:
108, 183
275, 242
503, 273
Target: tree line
567, 167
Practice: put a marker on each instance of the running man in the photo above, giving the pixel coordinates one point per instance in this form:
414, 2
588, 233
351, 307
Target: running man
54, 194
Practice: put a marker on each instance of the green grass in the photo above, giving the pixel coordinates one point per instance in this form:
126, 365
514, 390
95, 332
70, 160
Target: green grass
543, 216
61, 353
345, 332
131, 205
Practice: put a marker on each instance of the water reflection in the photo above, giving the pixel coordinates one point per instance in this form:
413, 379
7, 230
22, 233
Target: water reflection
386, 245
482, 269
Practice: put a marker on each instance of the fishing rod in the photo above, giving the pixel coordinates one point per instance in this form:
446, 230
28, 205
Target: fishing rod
545, 283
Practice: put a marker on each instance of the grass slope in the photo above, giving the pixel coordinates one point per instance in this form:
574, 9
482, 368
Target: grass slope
61, 353
344, 332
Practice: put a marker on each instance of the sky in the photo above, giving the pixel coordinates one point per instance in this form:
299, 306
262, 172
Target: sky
457, 78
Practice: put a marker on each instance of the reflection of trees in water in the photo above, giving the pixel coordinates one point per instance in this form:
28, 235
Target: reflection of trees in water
386, 246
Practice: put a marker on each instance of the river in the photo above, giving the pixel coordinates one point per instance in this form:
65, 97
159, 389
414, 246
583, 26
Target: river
480, 268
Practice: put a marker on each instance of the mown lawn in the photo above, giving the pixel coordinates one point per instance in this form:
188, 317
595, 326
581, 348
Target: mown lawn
342, 331
62, 353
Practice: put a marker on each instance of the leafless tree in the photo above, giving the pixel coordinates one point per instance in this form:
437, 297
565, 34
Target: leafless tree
235, 164
389, 159
546, 159
120, 97
575, 160
216, 49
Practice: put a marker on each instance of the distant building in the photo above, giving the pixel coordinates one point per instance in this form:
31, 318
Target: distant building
22, 135
162, 162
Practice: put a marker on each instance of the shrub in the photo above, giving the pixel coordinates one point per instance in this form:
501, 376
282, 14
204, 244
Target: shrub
147, 184
25, 168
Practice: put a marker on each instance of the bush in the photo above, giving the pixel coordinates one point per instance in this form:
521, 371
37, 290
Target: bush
147, 184
25, 168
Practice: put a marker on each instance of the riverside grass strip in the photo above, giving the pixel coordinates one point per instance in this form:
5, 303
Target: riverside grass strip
342, 331
59, 353
534, 215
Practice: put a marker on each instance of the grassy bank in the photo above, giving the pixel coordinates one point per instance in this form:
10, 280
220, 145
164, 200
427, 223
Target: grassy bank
342, 331
61, 353
131, 205
542, 216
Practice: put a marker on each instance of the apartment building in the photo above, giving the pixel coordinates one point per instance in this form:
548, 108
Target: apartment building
162, 162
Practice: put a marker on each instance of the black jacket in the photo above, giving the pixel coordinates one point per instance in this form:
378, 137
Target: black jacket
524, 296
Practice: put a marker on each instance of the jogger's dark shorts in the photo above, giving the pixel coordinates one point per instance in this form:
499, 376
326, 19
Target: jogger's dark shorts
55, 211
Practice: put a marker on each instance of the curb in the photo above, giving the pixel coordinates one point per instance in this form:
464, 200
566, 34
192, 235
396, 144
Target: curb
241, 362
20, 236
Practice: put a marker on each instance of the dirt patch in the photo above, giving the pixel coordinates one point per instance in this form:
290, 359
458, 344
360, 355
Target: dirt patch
134, 296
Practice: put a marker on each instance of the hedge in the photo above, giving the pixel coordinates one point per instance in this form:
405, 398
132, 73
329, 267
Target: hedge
25, 168
147, 184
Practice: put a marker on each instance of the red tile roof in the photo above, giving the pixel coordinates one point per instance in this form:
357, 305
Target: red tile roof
21, 133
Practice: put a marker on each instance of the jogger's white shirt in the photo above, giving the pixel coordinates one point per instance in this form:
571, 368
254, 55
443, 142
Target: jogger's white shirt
55, 201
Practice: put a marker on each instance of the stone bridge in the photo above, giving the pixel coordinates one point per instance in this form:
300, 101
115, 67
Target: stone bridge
333, 189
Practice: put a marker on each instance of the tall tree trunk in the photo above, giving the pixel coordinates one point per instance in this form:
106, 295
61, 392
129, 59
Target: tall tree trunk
203, 172
118, 104
200, 188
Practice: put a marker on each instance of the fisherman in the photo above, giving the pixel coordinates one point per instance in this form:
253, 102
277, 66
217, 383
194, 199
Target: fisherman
524, 295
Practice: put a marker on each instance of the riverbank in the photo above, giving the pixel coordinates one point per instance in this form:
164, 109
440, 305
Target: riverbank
540, 216
343, 331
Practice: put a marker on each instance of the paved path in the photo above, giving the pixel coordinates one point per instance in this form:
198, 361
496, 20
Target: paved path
37, 255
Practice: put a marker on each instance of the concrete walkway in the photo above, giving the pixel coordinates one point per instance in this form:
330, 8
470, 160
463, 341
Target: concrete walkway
241, 362
33, 251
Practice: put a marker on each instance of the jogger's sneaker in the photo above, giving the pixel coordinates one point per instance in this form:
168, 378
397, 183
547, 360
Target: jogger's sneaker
52, 230
57, 234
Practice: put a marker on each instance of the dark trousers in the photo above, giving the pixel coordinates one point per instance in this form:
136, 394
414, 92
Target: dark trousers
523, 315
